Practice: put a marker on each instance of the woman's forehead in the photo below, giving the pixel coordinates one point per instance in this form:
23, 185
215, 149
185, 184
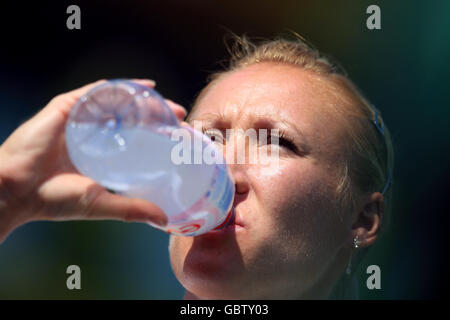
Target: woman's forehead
266, 90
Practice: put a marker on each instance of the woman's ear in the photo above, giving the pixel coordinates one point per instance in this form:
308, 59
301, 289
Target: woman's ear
368, 220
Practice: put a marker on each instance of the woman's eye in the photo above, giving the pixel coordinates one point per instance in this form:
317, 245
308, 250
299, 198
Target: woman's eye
214, 135
282, 142
287, 144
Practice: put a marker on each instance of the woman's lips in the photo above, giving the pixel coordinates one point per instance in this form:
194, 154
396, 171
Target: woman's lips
235, 225
238, 220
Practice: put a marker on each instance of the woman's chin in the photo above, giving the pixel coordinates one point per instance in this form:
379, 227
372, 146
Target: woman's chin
205, 284
209, 263
208, 266
221, 263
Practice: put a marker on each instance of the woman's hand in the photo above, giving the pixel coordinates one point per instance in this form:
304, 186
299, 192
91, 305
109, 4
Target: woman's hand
39, 182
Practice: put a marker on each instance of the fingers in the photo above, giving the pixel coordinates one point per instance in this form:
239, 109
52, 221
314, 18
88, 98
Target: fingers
46, 128
65, 101
106, 205
185, 124
70, 196
54, 115
180, 111
145, 82
78, 93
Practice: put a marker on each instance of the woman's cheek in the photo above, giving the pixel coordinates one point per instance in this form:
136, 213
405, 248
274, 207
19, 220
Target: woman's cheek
297, 189
278, 183
275, 191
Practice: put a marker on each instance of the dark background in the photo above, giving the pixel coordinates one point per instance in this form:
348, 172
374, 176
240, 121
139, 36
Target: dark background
403, 69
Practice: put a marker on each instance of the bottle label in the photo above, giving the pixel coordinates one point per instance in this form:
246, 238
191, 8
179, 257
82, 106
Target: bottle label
212, 211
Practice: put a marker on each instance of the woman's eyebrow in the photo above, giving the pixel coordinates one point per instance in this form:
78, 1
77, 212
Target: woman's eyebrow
268, 120
261, 120
275, 121
213, 118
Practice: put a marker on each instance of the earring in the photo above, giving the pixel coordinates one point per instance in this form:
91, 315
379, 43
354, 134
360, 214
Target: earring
356, 243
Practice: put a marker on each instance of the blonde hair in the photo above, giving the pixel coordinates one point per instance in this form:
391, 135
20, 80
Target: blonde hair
369, 167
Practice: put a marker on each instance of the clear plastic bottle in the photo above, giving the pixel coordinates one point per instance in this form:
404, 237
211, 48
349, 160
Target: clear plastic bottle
120, 135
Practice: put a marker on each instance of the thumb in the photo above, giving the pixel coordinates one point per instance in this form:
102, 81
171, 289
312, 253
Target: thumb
70, 196
101, 205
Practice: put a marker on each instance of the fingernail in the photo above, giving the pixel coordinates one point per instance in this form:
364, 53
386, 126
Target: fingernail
153, 82
149, 82
182, 108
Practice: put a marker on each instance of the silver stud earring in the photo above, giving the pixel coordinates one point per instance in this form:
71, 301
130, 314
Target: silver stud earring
356, 243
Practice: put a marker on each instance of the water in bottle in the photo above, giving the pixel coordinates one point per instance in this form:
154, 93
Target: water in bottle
120, 134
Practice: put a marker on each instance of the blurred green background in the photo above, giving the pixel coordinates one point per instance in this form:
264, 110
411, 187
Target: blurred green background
402, 68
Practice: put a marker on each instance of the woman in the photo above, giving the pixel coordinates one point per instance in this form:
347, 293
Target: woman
300, 230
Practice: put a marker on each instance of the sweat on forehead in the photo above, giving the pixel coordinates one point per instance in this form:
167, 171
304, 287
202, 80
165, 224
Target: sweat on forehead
265, 86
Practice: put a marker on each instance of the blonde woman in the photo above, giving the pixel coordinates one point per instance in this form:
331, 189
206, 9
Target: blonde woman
299, 231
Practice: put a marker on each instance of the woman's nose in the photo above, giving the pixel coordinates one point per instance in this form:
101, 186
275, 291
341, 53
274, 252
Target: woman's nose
241, 181
234, 153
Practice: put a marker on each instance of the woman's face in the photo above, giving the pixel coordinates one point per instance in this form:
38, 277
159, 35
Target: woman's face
293, 242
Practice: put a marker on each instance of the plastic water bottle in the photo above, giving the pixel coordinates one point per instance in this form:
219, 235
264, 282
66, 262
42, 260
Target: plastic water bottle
120, 135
